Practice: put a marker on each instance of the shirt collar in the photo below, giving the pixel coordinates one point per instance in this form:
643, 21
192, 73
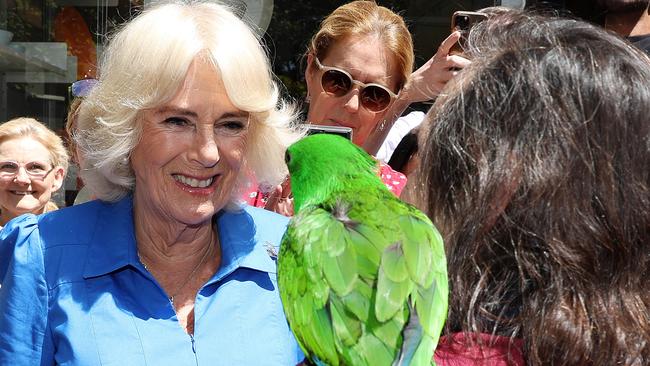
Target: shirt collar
240, 244
113, 245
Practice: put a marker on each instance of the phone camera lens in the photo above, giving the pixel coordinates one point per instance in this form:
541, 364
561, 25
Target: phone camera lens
462, 22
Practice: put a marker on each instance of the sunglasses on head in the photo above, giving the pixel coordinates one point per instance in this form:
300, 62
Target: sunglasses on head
82, 88
338, 83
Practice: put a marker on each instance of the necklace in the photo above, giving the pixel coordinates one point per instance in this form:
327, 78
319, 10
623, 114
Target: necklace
189, 277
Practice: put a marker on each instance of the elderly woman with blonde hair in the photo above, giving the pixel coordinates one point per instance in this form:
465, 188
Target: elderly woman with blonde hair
167, 266
33, 163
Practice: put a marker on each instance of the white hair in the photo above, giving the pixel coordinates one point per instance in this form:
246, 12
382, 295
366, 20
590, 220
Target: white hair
144, 65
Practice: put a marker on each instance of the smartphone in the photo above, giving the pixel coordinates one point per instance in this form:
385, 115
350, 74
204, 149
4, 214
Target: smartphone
334, 130
463, 21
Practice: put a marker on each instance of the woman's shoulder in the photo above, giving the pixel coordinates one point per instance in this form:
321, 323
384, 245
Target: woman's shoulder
263, 215
59, 240
254, 233
74, 224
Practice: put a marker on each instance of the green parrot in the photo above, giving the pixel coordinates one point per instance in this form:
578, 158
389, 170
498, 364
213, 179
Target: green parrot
362, 275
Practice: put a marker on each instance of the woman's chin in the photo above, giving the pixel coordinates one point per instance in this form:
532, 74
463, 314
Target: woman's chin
22, 208
197, 217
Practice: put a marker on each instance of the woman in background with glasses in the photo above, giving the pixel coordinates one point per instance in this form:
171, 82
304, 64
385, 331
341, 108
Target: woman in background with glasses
360, 75
360, 70
33, 163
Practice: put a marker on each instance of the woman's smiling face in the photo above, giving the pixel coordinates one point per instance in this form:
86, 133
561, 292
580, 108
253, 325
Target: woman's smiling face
191, 151
21, 193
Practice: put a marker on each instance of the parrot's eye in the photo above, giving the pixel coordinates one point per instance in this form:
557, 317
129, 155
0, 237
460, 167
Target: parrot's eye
287, 157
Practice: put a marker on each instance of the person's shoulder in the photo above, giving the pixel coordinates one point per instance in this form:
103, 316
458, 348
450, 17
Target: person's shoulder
60, 240
260, 214
71, 224
269, 226
249, 221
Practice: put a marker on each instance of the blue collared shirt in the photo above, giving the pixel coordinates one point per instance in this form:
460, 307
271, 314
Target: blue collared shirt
74, 293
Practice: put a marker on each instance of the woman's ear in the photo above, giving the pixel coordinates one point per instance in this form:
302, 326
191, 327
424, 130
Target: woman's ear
59, 174
309, 73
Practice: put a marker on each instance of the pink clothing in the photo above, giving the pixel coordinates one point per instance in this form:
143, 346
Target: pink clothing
253, 196
394, 180
488, 350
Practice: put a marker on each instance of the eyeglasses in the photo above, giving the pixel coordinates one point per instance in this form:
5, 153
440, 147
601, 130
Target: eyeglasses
82, 88
338, 83
34, 169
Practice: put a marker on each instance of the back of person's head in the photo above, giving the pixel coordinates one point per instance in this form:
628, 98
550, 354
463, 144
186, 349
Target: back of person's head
145, 64
366, 18
24, 127
534, 166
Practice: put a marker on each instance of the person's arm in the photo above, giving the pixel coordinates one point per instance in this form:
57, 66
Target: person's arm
23, 296
424, 84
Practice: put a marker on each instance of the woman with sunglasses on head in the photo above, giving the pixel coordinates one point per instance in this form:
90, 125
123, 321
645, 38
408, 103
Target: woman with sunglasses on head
360, 75
33, 163
166, 266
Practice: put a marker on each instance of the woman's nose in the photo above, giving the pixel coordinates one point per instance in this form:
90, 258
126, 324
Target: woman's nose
205, 150
22, 176
352, 103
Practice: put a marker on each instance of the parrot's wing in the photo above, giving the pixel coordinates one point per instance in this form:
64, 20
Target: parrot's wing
326, 274
347, 286
303, 291
422, 250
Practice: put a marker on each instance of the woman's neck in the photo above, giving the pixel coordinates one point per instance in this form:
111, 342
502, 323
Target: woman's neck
166, 243
6, 216
629, 23
180, 257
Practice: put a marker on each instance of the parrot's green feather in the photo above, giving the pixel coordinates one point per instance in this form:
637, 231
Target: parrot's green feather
375, 237
356, 264
368, 255
391, 296
423, 352
417, 251
340, 268
393, 263
375, 352
322, 335
359, 302
390, 332
346, 326
430, 314
333, 241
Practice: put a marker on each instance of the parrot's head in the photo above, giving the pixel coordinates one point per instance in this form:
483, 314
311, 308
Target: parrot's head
323, 163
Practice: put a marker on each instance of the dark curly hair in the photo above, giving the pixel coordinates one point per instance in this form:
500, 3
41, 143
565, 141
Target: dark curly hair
535, 168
